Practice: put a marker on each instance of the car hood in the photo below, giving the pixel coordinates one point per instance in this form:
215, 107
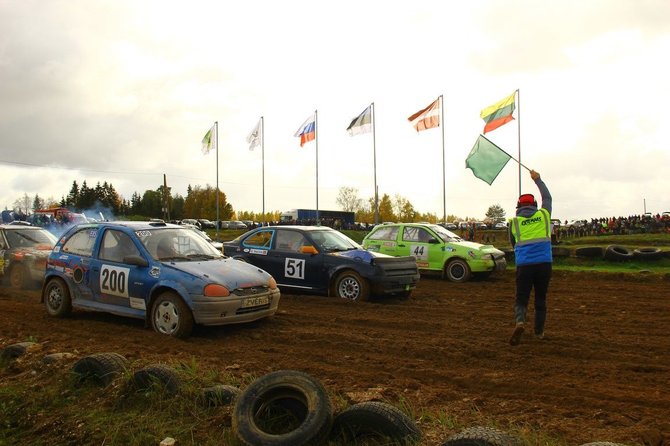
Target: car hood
362, 255
230, 273
485, 249
39, 251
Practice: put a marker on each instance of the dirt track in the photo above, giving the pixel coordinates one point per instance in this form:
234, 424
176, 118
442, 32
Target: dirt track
602, 374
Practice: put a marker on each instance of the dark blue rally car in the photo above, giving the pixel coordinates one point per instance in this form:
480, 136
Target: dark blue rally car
321, 259
162, 273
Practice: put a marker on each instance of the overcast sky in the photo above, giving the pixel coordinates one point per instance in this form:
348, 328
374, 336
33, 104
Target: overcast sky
124, 91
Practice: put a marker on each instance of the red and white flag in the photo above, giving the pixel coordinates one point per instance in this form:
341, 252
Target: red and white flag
427, 118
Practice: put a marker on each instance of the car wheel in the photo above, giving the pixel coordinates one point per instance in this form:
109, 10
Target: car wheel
350, 285
374, 420
171, 316
18, 276
56, 297
458, 271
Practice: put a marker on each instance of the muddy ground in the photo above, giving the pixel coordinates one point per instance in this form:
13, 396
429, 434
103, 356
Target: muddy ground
602, 374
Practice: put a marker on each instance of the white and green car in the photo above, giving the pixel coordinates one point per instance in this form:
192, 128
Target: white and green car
436, 249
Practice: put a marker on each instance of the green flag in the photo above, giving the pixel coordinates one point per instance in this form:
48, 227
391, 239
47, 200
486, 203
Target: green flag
486, 160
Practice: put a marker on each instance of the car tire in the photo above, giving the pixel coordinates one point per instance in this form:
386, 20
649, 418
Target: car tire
158, 375
482, 436
589, 251
15, 350
618, 253
647, 253
171, 316
56, 297
19, 276
101, 368
458, 271
350, 285
374, 420
297, 400
219, 395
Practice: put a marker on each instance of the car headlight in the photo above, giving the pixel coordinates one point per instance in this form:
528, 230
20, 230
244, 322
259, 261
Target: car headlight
272, 283
216, 290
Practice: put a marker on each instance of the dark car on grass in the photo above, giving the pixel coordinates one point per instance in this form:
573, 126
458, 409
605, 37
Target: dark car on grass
162, 273
23, 254
323, 260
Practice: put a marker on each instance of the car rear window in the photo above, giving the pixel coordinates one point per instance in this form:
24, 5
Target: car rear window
385, 233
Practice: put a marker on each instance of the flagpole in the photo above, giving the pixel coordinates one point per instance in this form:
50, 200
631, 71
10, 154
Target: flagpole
444, 162
374, 161
316, 138
263, 164
518, 124
216, 130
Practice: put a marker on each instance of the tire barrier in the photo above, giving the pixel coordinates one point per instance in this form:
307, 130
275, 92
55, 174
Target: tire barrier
283, 408
648, 253
15, 351
219, 395
100, 368
482, 436
159, 375
560, 251
374, 420
618, 253
589, 251
602, 443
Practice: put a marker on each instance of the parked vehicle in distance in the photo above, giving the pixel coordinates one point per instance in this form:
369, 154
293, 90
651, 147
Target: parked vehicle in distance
449, 226
323, 260
236, 224
164, 274
500, 225
23, 253
206, 224
190, 221
436, 249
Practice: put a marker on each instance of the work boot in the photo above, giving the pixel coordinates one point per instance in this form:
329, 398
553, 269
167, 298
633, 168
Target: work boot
539, 336
516, 334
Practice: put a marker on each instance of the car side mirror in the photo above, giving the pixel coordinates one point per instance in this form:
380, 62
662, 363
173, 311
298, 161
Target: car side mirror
433, 241
135, 260
309, 249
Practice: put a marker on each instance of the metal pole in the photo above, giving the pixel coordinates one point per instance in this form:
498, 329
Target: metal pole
374, 158
444, 162
216, 130
518, 125
263, 164
316, 138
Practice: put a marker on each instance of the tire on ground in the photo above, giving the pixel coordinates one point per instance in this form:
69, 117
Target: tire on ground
219, 395
602, 443
560, 251
157, 376
482, 436
100, 368
283, 408
457, 270
648, 253
350, 285
56, 297
15, 350
374, 420
589, 251
618, 253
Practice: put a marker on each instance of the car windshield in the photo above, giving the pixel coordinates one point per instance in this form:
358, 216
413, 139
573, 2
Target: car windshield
181, 244
445, 234
334, 241
30, 238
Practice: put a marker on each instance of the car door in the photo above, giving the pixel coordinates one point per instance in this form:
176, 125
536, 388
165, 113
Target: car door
384, 240
291, 265
419, 242
114, 281
76, 253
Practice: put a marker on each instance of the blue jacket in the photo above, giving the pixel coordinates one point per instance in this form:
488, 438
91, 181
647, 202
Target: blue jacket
530, 231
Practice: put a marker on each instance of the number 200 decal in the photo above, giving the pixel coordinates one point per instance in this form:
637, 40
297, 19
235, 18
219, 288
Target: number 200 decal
114, 280
294, 268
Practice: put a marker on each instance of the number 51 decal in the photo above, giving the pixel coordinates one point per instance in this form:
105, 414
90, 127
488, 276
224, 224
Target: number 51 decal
294, 268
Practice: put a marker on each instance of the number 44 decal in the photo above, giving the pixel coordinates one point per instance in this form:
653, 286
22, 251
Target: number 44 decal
294, 268
419, 251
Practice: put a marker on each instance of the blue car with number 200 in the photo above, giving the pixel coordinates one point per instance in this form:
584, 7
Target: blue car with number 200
162, 273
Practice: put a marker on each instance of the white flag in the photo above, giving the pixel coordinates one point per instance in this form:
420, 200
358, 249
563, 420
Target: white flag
208, 140
254, 137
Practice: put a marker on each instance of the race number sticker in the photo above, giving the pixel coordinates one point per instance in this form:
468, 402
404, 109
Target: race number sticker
294, 268
419, 251
114, 280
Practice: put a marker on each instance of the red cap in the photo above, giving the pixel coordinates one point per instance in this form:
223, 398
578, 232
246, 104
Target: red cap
526, 200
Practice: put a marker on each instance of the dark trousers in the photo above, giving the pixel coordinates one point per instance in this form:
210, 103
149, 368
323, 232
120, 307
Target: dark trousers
528, 277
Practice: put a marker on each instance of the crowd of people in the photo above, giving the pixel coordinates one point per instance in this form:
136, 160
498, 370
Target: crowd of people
633, 224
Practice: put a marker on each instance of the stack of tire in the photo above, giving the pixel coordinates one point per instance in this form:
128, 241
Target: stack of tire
619, 253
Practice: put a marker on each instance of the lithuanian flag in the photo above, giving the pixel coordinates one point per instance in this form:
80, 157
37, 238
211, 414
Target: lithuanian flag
499, 113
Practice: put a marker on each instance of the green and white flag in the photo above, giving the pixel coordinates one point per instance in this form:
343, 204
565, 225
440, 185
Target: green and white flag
208, 140
486, 160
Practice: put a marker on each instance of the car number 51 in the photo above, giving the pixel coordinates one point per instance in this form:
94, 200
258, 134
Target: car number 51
294, 268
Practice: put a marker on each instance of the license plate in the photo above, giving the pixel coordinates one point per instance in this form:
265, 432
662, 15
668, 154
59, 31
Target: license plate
255, 301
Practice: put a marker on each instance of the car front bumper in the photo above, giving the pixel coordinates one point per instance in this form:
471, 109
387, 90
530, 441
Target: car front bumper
235, 309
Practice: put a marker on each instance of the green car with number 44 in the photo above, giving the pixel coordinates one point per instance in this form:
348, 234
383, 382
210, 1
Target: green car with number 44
436, 249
